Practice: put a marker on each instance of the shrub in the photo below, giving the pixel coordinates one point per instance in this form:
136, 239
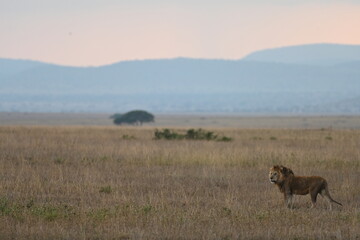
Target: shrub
191, 134
128, 137
200, 135
167, 134
106, 189
225, 139
328, 138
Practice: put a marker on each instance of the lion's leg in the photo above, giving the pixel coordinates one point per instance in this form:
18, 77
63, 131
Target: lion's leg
313, 198
292, 201
289, 200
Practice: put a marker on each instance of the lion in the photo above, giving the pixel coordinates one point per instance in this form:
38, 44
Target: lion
289, 184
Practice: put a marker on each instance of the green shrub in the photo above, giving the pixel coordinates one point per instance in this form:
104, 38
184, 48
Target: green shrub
147, 208
106, 189
59, 160
5, 208
128, 137
200, 134
225, 139
191, 134
167, 134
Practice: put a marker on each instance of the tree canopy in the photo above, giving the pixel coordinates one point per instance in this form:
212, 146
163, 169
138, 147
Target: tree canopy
136, 117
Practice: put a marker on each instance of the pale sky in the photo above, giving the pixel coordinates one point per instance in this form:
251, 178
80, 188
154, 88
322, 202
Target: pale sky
99, 32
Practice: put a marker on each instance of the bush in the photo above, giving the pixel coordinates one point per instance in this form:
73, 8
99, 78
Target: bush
167, 134
191, 134
106, 189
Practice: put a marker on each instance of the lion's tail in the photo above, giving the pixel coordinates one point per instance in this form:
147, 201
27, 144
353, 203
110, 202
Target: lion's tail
328, 194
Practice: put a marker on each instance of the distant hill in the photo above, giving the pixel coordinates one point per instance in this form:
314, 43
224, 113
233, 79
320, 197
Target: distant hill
270, 82
312, 54
11, 66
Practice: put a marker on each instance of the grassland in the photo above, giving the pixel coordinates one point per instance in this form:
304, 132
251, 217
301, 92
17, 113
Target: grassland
186, 120
120, 183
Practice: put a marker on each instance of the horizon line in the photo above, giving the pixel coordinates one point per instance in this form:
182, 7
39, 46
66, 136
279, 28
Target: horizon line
171, 58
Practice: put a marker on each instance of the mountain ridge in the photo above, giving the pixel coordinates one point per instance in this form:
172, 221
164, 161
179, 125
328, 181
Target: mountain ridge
308, 54
253, 56
182, 85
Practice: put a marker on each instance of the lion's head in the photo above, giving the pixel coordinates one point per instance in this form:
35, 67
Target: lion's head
278, 174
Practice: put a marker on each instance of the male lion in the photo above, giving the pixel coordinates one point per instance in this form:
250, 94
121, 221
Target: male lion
289, 184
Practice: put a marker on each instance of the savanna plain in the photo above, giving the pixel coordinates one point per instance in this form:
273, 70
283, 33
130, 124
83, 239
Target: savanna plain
107, 182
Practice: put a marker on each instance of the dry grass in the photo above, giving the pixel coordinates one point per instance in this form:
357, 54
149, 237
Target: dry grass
119, 183
185, 120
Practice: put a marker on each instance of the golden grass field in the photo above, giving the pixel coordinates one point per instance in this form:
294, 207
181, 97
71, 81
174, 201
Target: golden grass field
118, 183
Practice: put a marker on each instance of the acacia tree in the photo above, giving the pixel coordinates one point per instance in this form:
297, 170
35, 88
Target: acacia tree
136, 117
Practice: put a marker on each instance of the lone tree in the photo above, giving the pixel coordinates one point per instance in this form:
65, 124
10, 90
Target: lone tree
137, 117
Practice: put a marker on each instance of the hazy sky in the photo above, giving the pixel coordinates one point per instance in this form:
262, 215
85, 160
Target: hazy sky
98, 32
